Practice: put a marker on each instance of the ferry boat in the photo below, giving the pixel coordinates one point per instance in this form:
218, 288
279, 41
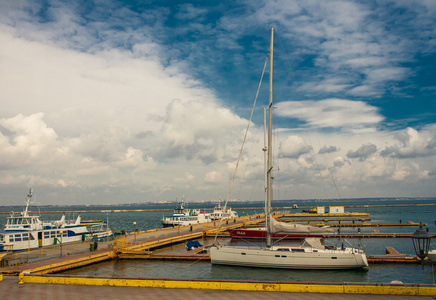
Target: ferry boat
182, 216
25, 231
221, 213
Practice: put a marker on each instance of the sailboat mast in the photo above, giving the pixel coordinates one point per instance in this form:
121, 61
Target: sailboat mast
265, 165
269, 192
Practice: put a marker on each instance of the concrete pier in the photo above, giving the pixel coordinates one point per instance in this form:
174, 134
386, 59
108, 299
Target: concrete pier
11, 289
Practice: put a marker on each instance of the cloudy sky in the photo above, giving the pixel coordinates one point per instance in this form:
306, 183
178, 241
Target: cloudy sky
135, 101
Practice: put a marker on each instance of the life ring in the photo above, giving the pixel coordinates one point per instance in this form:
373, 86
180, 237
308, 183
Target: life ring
12, 213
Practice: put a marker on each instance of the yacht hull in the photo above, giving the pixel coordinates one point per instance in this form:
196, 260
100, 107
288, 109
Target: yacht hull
266, 258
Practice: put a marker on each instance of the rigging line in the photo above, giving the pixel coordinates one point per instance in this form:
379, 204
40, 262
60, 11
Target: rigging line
255, 182
242, 148
312, 151
330, 172
286, 56
189, 265
245, 172
299, 107
296, 184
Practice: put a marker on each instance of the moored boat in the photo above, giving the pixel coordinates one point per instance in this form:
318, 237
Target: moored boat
220, 212
311, 253
183, 216
25, 231
282, 231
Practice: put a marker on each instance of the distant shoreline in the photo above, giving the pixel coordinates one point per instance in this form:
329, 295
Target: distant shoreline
235, 208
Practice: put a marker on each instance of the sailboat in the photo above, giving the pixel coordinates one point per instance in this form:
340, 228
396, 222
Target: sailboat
311, 253
282, 231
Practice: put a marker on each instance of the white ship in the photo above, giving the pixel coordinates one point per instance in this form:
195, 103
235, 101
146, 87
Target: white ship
182, 216
24, 231
220, 213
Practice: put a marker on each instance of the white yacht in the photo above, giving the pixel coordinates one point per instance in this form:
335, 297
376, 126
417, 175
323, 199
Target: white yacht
310, 254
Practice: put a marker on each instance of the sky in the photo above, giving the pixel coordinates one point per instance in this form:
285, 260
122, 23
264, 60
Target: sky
111, 102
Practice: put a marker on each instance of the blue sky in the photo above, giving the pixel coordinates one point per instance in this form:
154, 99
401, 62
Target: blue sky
137, 101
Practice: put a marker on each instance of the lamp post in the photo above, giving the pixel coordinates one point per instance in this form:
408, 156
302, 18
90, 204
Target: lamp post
134, 225
421, 242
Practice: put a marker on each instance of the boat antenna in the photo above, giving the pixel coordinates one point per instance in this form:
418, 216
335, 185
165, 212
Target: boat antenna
28, 201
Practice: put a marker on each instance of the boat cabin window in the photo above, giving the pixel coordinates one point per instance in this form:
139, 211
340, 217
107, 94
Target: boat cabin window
283, 249
2, 238
18, 221
18, 237
297, 250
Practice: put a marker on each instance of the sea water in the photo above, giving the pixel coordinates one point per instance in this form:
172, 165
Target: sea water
377, 273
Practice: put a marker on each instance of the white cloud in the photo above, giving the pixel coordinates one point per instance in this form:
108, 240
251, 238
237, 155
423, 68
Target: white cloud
213, 177
109, 103
327, 86
411, 144
109, 118
387, 74
189, 12
331, 113
294, 146
203, 130
29, 139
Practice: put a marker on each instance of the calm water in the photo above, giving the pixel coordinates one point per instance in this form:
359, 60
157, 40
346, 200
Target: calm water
204, 270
